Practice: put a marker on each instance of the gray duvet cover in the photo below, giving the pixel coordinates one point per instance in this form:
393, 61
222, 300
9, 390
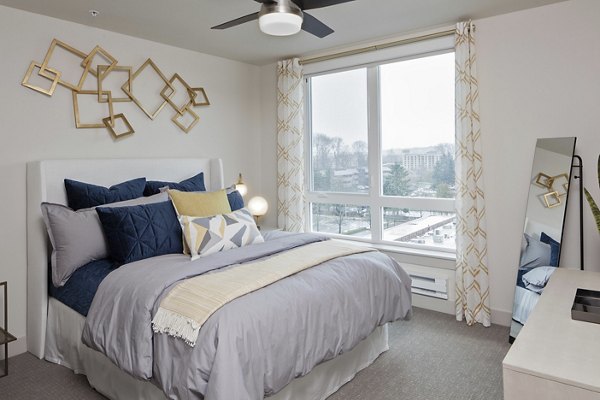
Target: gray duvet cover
255, 345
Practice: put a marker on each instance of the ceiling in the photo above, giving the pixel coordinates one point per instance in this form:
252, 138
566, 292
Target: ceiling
186, 23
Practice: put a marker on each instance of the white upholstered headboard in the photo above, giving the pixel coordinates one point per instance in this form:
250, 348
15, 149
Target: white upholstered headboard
45, 182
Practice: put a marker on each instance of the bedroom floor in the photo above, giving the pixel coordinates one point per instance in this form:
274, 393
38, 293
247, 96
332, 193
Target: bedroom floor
431, 357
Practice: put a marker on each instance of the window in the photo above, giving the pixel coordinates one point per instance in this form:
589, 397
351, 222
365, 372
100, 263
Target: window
381, 152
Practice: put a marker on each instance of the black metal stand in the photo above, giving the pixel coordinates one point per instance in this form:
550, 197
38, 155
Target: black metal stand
579, 167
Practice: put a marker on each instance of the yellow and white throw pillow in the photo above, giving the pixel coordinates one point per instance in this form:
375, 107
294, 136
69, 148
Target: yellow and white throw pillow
208, 235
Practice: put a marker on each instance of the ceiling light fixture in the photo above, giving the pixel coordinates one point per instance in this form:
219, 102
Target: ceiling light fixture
282, 18
94, 13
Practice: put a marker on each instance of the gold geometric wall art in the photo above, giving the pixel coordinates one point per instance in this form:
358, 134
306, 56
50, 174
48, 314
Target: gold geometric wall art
553, 197
102, 76
101, 64
111, 126
187, 111
189, 95
88, 125
47, 71
47, 92
201, 99
128, 88
88, 62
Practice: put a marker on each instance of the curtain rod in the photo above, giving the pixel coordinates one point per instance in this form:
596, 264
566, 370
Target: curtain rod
367, 49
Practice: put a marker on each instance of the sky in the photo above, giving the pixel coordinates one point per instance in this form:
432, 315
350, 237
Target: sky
417, 103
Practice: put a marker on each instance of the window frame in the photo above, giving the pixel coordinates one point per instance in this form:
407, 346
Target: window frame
374, 199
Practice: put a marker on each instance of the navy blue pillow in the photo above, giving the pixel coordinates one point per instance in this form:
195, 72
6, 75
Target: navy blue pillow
85, 195
236, 201
139, 232
193, 184
554, 248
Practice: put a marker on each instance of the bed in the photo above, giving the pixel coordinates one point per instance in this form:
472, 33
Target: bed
54, 330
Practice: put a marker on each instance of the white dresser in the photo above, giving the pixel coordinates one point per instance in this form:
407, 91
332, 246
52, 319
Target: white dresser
555, 357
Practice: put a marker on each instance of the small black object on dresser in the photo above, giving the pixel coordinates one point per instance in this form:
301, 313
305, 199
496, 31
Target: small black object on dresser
5, 336
586, 306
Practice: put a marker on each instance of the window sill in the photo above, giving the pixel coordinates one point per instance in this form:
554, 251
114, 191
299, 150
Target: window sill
407, 251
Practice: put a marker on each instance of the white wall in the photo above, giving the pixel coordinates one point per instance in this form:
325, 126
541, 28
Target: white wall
539, 75
34, 126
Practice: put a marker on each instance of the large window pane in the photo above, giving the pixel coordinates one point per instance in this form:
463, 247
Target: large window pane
431, 228
340, 132
341, 219
417, 125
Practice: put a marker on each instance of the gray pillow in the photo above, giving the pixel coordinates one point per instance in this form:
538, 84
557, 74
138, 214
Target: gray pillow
537, 278
77, 237
536, 253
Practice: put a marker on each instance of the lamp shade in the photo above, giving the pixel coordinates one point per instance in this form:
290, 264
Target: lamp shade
280, 23
240, 186
258, 206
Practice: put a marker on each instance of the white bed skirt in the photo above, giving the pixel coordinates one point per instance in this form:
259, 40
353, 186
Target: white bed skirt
64, 347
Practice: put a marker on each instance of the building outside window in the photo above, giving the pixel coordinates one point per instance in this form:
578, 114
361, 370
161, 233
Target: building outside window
381, 152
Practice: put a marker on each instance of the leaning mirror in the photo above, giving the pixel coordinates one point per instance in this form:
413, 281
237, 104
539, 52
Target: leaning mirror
544, 221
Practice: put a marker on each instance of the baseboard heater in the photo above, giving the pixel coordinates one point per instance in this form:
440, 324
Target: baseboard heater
429, 285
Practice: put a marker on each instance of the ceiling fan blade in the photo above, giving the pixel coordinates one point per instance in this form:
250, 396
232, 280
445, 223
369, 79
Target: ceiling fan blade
312, 4
237, 21
316, 27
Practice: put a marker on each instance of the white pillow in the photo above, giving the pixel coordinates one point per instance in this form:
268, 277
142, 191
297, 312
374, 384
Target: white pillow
537, 278
208, 235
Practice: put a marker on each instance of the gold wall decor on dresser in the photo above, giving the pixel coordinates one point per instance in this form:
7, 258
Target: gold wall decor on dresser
99, 63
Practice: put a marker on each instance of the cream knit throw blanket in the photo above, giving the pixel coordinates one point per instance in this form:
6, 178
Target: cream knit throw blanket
190, 303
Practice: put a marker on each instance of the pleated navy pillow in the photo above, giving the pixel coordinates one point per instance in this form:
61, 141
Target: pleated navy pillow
193, 184
139, 232
85, 195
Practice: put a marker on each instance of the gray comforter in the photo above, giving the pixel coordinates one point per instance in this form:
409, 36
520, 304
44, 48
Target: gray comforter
255, 345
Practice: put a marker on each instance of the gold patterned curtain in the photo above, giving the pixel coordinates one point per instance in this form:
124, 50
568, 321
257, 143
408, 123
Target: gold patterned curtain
472, 275
290, 145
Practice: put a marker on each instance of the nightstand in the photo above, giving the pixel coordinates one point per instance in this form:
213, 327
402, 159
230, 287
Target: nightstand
5, 336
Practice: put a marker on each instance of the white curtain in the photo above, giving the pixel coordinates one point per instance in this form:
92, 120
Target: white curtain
290, 145
472, 275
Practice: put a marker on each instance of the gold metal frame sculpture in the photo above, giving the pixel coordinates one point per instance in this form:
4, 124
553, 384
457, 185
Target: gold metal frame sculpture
45, 65
101, 124
128, 88
547, 181
47, 92
191, 94
552, 195
199, 90
111, 128
103, 75
87, 63
195, 97
544, 180
188, 110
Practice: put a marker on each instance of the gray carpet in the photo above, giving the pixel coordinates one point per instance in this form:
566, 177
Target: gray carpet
431, 357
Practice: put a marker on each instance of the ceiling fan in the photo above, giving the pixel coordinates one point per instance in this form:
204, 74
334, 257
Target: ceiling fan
287, 17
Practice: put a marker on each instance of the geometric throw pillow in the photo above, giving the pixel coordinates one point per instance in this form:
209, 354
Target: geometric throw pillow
209, 235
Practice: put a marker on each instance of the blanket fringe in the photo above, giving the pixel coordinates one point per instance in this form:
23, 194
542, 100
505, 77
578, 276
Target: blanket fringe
176, 325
